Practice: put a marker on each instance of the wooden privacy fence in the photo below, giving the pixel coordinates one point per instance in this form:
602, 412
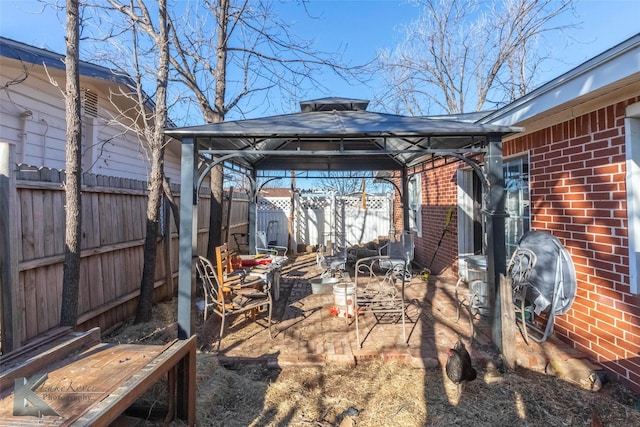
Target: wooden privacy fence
112, 246
235, 217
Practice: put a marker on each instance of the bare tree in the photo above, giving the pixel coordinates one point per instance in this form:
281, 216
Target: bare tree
350, 182
226, 53
149, 44
465, 55
73, 203
233, 54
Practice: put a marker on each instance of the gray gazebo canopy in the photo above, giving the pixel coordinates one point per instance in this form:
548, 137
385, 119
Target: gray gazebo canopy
334, 134
337, 134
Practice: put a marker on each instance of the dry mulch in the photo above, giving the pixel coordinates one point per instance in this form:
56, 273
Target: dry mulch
379, 394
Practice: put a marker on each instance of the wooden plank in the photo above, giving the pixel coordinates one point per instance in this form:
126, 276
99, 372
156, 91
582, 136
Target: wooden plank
81, 380
84, 299
120, 277
48, 229
87, 224
12, 327
53, 298
41, 303
113, 304
31, 306
58, 277
95, 277
109, 408
47, 289
39, 341
139, 216
42, 359
58, 214
127, 277
508, 323
123, 218
104, 210
55, 186
95, 219
26, 208
108, 275
38, 229
28, 265
117, 220
108, 207
113, 221
22, 308
186, 386
131, 226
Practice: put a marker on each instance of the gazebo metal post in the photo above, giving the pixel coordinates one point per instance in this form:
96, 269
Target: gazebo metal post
188, 237
495, 214
253, 214
406, 223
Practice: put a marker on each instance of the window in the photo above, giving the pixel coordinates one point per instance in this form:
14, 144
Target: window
415, 204
516, 185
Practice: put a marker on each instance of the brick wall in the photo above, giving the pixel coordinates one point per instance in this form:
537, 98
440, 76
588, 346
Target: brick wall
578, 193
439, 194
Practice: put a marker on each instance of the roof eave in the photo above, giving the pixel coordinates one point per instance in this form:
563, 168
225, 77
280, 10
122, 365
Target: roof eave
615, 64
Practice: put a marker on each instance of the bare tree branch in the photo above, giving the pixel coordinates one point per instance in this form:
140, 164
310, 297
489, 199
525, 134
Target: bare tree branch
463, 52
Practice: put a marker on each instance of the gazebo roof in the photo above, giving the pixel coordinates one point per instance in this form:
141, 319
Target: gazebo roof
337, 134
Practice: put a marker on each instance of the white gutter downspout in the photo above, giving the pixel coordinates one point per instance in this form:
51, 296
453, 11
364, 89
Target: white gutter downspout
632, 149
24, 116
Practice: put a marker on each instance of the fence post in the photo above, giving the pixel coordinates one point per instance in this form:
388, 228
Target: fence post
12, 327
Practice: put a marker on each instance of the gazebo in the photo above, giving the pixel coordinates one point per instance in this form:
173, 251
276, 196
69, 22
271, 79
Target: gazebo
337, 134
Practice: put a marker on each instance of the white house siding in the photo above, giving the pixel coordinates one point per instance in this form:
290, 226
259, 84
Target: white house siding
40, 136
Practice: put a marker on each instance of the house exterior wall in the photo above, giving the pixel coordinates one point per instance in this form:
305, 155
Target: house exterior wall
439, 194
33, 118
578, 194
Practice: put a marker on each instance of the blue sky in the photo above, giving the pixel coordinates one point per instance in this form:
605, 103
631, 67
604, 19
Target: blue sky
362, 27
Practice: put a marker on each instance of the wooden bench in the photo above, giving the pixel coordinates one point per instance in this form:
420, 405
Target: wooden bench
94, 383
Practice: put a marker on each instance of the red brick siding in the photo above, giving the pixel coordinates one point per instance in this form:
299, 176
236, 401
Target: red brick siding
439, 194
578, 193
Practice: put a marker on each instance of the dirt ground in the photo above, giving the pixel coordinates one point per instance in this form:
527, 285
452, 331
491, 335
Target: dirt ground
379, 394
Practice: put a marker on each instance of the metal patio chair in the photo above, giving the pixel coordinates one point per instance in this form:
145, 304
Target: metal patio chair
381, 292
399, 251
332, 264
264, 247
227, 301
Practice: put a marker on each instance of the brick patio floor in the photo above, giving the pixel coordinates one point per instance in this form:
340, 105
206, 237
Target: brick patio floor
306, 332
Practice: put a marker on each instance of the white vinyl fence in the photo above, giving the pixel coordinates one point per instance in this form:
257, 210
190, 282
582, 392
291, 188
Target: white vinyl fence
318, 219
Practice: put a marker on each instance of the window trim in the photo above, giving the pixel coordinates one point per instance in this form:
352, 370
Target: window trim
414, 199
523, 155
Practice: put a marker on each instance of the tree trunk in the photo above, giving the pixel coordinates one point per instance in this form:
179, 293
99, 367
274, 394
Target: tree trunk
217, 173
145, 301
215, 216
156, 179
73, 222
